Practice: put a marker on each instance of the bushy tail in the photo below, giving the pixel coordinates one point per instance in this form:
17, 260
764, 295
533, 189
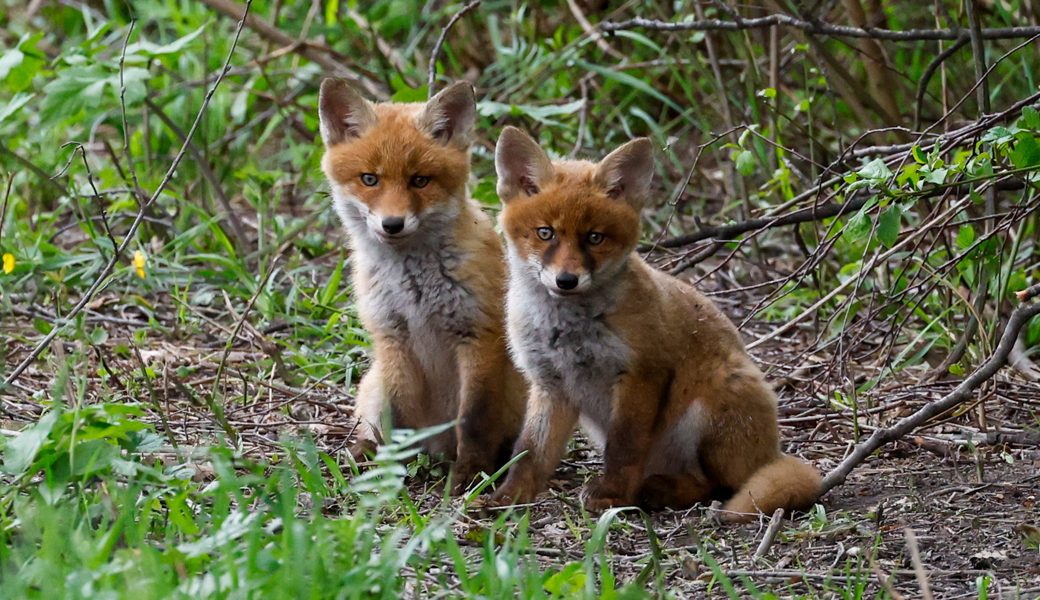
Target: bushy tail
788, 482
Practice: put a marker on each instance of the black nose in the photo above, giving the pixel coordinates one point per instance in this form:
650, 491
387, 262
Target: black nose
566, 281
393, 225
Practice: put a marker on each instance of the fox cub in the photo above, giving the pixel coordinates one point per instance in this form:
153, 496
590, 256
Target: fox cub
428, 273
657, 374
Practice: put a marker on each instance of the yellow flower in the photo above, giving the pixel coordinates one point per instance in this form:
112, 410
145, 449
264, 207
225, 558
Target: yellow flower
139, 263
8, 263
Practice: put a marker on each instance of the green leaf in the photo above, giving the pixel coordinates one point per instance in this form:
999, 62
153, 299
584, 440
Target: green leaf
149, 49
490, 108
745, 163
936, 176
888, 225
404, 93
98, 336
875, 170
966, 236
1031, 118
919, 155
956, 369
21, 451
858, 227
768, 93
1026, 154
16, 103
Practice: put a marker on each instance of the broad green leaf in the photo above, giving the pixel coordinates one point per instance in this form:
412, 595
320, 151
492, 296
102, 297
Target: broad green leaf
11, 59
875, 170
1031, 118
966, 236
936, 176
745, 163
1026, 154
21, 451
888, 225
919, 155
858, 228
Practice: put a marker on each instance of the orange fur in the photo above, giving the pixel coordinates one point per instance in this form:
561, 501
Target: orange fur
659, 375
429, 286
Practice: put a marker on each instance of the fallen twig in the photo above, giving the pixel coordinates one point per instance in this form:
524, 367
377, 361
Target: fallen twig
770, 535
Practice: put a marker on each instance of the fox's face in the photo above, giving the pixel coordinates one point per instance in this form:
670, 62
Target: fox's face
395, 167
571, 224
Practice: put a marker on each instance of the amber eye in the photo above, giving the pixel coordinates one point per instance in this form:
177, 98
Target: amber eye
595, 238
369, 179
545, 233
420, 181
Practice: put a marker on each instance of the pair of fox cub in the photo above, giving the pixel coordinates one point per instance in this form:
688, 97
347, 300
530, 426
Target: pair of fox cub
656, 374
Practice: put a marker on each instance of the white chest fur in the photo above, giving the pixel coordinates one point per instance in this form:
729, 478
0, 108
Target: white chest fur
565, 344
414, 292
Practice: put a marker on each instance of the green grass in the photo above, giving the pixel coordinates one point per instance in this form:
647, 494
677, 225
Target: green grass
89, 512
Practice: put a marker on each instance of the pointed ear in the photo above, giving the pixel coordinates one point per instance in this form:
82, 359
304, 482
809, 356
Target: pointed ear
449, 116
342, 112
626, 172
522, 166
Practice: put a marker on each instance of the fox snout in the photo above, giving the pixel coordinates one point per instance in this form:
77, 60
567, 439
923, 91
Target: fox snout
561, 281
392, 225
566, 281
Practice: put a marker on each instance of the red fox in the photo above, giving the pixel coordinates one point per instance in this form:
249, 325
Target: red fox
658, 376
428, 273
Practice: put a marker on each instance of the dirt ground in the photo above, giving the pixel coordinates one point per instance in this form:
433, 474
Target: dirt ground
968, 494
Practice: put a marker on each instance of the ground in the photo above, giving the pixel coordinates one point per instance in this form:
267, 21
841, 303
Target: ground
970, 500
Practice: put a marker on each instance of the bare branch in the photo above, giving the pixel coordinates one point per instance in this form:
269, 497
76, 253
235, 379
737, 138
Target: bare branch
819, 28
432, 84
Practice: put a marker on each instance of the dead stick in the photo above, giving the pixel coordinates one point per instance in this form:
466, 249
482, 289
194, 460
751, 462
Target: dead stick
1019, 318
915, 558
431, 86
909, 35
770, 534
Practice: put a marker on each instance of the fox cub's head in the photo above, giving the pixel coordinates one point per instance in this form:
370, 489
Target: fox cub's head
395, 167
571, 224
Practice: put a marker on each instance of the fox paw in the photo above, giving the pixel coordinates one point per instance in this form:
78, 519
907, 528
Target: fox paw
509, 496
462, 476
600, 495
362, 450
